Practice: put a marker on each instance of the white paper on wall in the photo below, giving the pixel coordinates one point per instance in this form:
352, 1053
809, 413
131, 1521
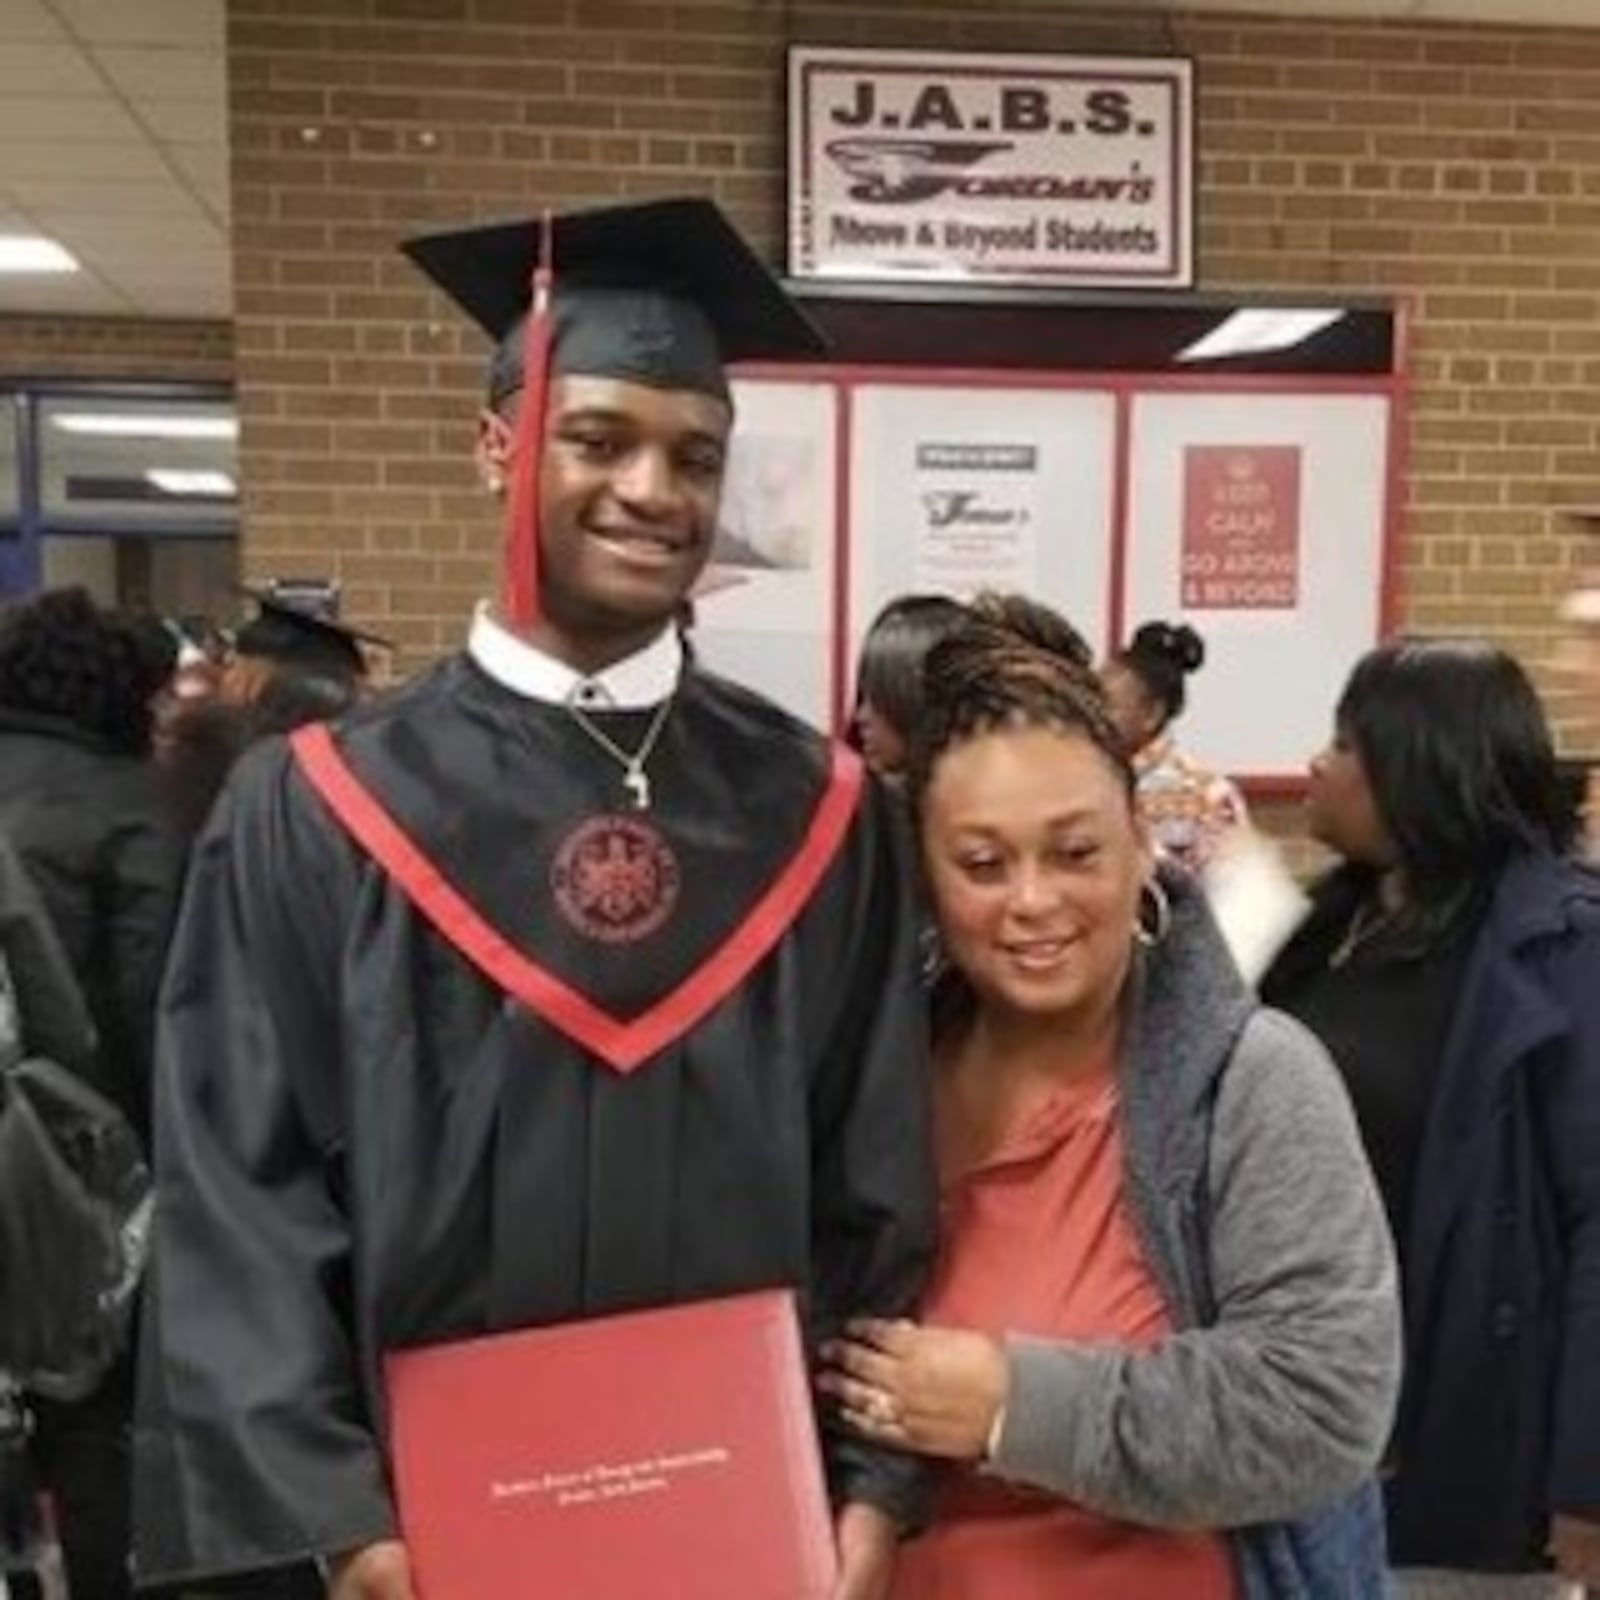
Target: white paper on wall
957, 489
764, 606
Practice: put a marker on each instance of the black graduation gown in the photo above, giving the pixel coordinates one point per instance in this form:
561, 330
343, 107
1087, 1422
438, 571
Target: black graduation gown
363, 1143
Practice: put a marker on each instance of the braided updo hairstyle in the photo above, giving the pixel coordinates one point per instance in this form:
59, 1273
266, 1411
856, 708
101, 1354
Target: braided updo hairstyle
1012, 664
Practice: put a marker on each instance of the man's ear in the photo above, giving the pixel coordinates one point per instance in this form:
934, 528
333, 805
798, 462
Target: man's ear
492, 453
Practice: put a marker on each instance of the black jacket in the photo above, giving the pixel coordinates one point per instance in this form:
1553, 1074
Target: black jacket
49, 1017
91, 831
1500, 1256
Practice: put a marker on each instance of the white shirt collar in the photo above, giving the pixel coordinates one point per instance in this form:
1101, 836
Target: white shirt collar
643, 679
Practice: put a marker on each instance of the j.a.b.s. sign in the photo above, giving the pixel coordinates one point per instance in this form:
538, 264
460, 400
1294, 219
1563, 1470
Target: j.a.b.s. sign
1066, 170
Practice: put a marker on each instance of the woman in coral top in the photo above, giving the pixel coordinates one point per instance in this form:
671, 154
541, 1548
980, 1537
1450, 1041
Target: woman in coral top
1161, 1349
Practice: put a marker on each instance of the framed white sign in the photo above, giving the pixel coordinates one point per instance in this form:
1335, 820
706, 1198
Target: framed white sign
1021, 169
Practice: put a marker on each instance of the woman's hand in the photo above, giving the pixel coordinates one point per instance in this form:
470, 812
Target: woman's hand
937, 1391
378, 1571
1575, 1545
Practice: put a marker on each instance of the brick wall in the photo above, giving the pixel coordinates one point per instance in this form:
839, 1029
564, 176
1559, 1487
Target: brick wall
1458, 167
133, 348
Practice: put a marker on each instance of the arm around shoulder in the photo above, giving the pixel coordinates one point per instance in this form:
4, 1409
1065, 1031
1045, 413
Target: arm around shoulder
875, 1200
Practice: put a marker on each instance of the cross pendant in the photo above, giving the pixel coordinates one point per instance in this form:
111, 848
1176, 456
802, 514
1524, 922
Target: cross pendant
637, 782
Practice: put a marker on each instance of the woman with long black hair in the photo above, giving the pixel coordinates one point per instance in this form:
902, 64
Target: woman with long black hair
889, 676
1450, 966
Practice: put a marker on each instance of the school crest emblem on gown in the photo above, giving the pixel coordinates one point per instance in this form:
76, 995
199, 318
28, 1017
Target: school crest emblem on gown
615, 879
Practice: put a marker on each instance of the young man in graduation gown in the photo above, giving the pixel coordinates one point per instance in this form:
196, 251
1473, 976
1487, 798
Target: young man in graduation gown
565, 980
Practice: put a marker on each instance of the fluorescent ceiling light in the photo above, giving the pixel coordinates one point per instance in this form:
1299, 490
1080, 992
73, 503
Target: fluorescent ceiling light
29, 252
145, 425
1248, 333
175, 480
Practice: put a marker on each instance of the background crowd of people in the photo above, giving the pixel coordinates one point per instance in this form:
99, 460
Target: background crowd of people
114, 742
1445, 965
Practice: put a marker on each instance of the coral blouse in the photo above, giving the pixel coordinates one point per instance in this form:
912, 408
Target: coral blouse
1037, 1241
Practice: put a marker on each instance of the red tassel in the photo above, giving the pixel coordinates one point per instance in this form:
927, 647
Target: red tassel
520, 579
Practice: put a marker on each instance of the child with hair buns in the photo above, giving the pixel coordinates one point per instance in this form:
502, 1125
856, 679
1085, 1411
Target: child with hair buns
1189, 810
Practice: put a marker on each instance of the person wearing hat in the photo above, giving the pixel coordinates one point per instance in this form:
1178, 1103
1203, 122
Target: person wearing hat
287, 636
568, 979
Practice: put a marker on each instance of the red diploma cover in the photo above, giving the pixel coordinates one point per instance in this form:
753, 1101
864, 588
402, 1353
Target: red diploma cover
660, 1453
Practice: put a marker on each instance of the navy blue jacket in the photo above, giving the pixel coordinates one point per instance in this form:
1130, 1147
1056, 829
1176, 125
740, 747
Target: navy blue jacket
1500, 1424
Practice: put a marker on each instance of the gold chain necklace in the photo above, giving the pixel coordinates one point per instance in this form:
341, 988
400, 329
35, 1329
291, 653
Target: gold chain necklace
1368, 922
634, 778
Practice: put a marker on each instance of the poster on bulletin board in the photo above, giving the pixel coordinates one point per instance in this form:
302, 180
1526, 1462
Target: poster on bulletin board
764, 607
958, 489
1260, 520
1241, 527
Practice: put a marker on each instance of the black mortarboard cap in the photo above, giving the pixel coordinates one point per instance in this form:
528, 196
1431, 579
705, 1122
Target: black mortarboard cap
663, 293
296, 634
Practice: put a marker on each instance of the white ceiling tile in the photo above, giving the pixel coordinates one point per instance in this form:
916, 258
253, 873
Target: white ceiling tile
204, 168
165, 72
137, 279
205, 165
49, 198
79, 295
198, 24
28, 20
64, 118
176, 292
123, 159
185, 121
212, 297
35, 69
185, 271
199, 257
162, 239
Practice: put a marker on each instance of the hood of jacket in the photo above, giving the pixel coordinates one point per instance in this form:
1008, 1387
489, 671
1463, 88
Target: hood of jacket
1185, 1009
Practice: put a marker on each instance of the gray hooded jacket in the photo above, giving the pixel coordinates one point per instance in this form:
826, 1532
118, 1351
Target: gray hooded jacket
1272, 1400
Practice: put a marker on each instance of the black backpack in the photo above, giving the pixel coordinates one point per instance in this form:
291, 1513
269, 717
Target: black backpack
75, 1192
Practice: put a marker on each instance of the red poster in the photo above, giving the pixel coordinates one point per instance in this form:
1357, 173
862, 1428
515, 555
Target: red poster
1241, 527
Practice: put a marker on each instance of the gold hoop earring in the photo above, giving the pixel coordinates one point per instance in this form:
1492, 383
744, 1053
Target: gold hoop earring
1153, 893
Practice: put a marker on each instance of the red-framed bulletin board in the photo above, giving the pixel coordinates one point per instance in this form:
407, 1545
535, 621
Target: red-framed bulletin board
1262, 509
